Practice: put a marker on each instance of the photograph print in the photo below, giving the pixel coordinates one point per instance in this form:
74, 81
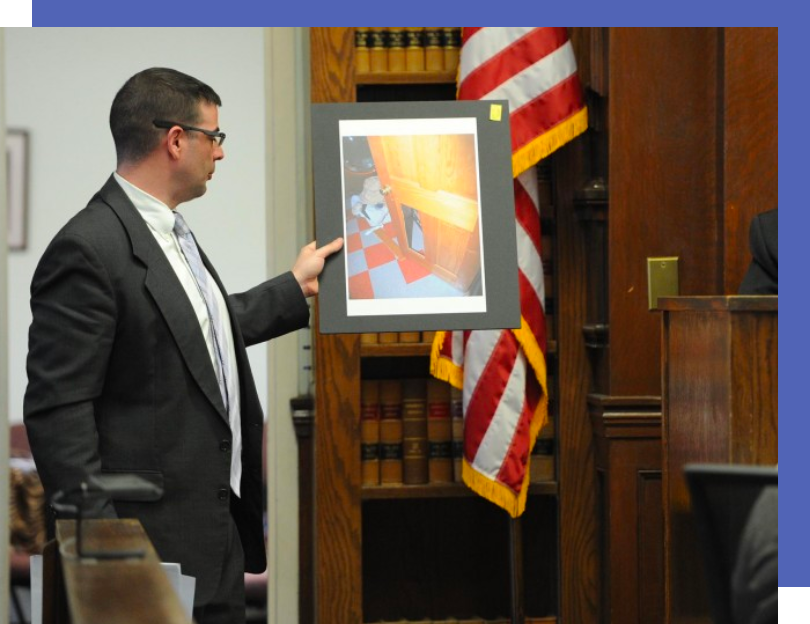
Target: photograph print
412, 216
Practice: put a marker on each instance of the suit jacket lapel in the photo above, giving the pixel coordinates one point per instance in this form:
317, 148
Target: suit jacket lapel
162, 283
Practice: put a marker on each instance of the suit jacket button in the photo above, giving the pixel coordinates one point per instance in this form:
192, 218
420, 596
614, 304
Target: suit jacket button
225, 446
223, 494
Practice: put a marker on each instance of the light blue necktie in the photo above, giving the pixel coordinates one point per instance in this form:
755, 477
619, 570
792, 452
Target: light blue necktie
222, 365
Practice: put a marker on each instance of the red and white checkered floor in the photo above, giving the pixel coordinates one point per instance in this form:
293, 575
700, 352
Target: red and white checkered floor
375, 272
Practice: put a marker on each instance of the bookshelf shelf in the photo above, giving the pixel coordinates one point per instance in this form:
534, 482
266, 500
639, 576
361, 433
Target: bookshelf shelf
410, 349
415, 349
405, 78
444, 490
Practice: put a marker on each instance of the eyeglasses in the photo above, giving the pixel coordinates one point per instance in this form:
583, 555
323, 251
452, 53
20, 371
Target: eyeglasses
218, 137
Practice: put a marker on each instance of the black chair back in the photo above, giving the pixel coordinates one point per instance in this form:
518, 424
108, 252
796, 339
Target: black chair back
722, 498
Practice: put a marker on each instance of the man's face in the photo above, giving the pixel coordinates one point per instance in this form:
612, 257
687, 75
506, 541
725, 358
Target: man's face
201, 154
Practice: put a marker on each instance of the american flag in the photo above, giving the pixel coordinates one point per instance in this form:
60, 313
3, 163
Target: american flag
502, 373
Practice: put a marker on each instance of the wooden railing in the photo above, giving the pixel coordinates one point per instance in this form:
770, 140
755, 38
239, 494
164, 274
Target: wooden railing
126, 590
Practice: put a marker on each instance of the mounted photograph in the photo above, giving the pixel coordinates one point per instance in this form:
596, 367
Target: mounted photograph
422, 194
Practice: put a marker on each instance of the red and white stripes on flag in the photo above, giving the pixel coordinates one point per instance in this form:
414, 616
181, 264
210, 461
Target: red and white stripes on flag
535, 70
503, 372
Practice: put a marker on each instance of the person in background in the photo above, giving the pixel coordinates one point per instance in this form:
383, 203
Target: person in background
137, 356
755, 580
762, 277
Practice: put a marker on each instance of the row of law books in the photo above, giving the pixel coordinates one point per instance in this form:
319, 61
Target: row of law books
397, 337
473, 620
412, 433
412, 49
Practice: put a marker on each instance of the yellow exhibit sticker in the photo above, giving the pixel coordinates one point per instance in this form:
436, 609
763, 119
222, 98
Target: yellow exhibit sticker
495, 112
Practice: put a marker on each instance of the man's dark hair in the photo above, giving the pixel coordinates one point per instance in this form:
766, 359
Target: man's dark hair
156, 93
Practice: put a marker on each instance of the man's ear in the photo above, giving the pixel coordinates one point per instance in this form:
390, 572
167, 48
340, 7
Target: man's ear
174, 144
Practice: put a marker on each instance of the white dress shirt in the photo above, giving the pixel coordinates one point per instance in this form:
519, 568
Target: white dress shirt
160, 220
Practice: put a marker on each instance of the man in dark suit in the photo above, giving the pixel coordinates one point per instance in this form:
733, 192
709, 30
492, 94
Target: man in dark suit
762, 277
137, 360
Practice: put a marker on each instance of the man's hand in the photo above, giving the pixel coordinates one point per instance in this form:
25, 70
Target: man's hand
309, 264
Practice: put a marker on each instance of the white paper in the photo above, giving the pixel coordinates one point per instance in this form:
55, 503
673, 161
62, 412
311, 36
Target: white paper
36, 589
183, 584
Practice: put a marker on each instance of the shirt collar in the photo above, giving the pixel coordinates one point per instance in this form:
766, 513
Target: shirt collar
157, 214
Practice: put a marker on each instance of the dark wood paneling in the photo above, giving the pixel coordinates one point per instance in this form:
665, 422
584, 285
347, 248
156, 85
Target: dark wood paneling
751, 139
719, 405
650, 545
755, 358
579, 538
628, 438
663, 184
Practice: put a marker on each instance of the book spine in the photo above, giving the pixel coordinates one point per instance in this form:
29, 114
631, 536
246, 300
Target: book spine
369, 338
361, 51
370, 432
378, 55
414, 50
396, 50
390, 432
457, 420
440, 460
451, 43
434, 52
414, 432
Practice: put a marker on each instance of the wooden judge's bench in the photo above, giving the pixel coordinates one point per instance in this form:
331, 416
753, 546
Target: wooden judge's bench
720, 405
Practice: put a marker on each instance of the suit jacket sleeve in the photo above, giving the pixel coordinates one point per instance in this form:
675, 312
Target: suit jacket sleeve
271, 309
762, 277
72, 332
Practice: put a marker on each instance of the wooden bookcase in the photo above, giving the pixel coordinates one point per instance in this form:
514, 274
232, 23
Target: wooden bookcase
415, 553
650, 178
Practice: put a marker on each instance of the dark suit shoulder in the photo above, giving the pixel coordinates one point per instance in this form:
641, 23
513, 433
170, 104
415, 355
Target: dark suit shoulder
96, 220
762, 277
101, 226
94, 228
767, 224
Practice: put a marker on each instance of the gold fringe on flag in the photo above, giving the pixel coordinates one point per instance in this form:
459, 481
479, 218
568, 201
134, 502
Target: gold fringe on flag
444, 369
496, 492
533, 152
537, 361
